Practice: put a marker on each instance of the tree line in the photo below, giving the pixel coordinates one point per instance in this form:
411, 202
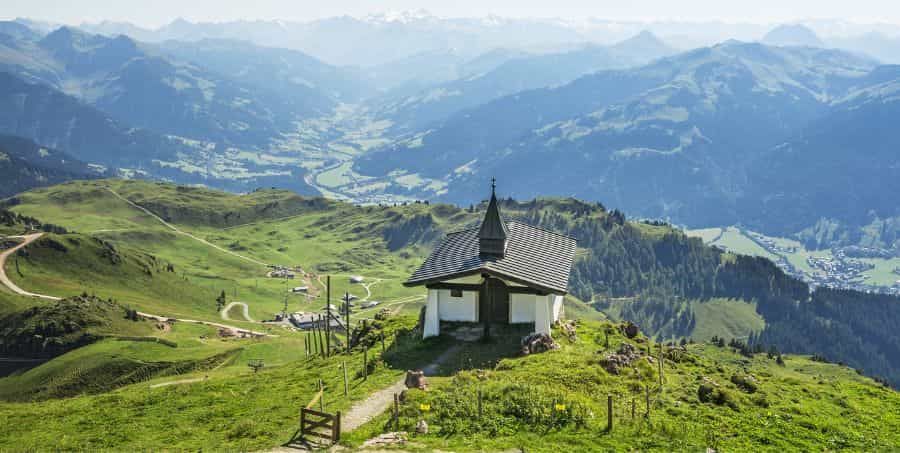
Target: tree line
663, 269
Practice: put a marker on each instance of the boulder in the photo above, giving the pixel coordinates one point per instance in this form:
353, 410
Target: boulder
630, 330
623, 357
538, 342
422, 427
568, 329
416, 380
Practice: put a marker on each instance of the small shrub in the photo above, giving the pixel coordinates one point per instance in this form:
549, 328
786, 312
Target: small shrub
744, 382
242, 430
761, 400
709, 393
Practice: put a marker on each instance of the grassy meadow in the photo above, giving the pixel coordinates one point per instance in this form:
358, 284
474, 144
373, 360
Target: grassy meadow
541, 402
120, 393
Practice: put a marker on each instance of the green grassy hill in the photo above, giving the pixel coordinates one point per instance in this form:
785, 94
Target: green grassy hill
754, 403
541, 402
67, 265
228, 407
198, 243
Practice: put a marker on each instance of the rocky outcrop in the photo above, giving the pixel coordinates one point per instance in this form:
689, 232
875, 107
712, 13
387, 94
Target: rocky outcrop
537, 343
416, 380
622, 358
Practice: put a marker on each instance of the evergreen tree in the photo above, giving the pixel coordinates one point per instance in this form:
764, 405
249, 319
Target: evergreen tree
220, 301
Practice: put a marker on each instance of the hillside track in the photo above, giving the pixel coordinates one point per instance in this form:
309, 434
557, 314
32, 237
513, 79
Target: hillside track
378, 402
184, 233
29, 238
4, 279
246, 311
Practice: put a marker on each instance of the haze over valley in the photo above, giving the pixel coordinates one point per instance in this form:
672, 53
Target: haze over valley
701, 126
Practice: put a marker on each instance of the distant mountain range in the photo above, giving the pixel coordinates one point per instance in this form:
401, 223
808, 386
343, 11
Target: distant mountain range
164, 110
768, 133
59, 121
736, 133
435, 103
131, 83
376, 40
792, 35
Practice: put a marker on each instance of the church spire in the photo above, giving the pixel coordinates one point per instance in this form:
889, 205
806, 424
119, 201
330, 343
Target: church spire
493, 232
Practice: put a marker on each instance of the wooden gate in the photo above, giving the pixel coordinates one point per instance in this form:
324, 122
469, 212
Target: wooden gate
311, 421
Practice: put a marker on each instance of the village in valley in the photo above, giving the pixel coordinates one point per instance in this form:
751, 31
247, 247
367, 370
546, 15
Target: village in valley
865, 269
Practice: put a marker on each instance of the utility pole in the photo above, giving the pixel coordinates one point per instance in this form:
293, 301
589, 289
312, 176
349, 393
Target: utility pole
347, 319
327, 315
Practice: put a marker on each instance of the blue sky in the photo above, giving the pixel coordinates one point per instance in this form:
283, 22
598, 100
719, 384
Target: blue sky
157, 12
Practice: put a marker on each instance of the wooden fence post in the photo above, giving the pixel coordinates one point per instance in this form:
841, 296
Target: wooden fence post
480, 412
347, 324
322, 344
609, 413
661, 357
365, 362
346, 389
328, 315
315, 336
318, 337
382, 344
396, 411
648, 402
632, 408
336, 428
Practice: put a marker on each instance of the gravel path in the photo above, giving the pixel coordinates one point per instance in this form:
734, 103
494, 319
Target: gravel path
380, 401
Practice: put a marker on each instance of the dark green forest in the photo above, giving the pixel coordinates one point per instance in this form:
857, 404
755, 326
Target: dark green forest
663, 269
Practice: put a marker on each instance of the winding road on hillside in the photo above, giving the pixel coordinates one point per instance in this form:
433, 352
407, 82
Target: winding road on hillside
26, 239
29, 238
232, 304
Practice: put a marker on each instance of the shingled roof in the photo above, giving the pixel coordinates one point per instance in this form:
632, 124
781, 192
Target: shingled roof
534, 257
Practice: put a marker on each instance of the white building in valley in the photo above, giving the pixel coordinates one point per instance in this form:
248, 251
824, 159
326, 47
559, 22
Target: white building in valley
501, 272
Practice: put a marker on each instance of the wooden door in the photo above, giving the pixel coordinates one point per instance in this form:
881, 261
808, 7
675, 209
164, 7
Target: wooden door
493, 301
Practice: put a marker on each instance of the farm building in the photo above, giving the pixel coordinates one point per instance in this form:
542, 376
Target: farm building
500, 272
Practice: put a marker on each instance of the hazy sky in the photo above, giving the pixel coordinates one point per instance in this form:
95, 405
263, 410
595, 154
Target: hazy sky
157, 12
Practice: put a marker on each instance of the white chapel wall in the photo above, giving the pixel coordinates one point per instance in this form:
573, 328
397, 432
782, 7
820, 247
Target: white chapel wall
557, 307
463, 308
521, 308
